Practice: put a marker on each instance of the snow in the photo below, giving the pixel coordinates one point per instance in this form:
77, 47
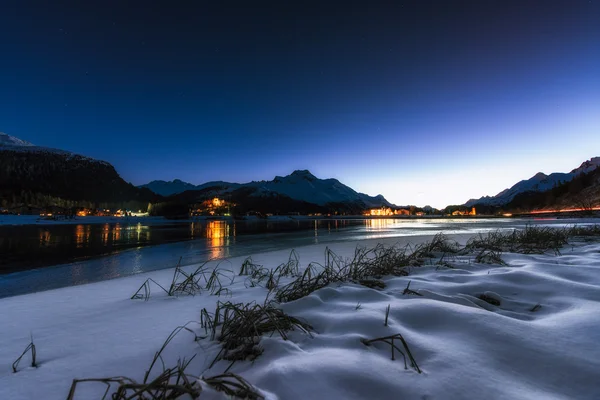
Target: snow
466, 347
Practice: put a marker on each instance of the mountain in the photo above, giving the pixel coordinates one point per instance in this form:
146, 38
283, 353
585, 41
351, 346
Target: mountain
300, 186
304, 186
169, 188
540, 182
39, 176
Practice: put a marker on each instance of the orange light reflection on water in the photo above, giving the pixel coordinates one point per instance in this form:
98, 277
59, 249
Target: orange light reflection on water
44, 238
378, 224
105, 231
217, 234
82, 235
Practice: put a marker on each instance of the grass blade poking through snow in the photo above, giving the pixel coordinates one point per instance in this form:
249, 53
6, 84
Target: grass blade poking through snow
30, 347
390, 340
387, 314
233, 385
291, 268
248, 267
147, 289
190, 284
158, 354
536, 307
408, 290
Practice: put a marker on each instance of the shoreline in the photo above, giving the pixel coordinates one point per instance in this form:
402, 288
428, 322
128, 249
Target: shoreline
20, 220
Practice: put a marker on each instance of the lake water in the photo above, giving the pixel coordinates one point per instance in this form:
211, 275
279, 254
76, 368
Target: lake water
34, 257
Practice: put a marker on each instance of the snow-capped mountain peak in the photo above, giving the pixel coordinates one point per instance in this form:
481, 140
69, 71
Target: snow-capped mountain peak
7, 140
295, 177
304, 174
167, 188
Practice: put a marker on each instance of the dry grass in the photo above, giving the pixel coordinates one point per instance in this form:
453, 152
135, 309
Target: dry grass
372, 283
182, 283
489, 256
365, 267
172, 383
249, 267
530, 240
240, 327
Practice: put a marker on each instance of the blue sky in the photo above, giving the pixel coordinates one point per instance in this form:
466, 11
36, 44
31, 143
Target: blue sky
425, 102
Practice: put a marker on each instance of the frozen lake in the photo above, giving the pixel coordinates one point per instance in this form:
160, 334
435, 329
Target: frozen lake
35, 258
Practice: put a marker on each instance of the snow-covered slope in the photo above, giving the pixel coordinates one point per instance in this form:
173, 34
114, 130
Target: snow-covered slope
7, 140
540, 182
299, 185
11, 143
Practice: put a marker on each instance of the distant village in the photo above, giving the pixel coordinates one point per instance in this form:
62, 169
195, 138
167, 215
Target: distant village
57, 212
217, 207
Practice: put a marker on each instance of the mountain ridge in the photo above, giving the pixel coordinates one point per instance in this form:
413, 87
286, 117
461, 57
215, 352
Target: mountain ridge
540, 182
300, 185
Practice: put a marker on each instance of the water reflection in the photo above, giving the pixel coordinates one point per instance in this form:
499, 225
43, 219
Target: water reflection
28, 247
116, 233
44, 238
82, 235
105, 232
378, 224
217, 235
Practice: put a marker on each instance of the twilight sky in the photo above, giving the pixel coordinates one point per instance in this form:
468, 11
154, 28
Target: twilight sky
425, 102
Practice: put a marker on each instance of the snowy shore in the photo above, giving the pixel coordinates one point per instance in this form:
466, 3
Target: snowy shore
539, 341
